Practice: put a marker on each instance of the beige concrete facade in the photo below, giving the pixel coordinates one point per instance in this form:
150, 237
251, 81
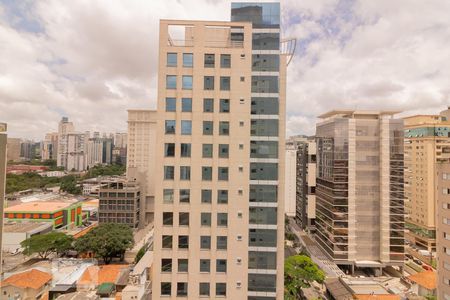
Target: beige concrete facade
427, 142
208, 169
13, 149
3, 155
290, 181
141, 147
359, 194
443, 229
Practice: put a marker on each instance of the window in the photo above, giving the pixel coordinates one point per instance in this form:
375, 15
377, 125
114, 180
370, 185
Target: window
205, 219
205, 242
209, 61
264, 128
185, 150
262, 260
186, 127
264, 84
185, 173
266, 41
183, 265
224, 105
207, 150
171, 59
263, 193
262, 237
208, 83
171, 104
262, 283
167, 218
166, 265
169, 150
186, 104
183, 219
221, 289
182, 289
225, 61
223, 150
170, 126
205, 265
221, 265
263, 215
266, 62
222, 219
166, 288
183, 242
188, 60
222, 196
207, 127
168, 196
167, 241
263, 149
207, 173
204, 289
185, 195
224, 128
206, 196
222, 242
208, 105
224, 83
263, 171
171, 82
169, 172
187, 82
223, 173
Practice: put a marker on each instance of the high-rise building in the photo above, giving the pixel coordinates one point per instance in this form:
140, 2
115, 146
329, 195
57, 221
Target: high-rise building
3, 142
119, 202
290, 179
359, 193
13, 149
71, 151
120, 140
28, 150
427, 142
49, 148
94, 152
306, 184
141, 147
219, 214
64, 127
443, 229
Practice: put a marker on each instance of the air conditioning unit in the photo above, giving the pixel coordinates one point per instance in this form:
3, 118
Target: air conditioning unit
239, 237
238, 260
238, 284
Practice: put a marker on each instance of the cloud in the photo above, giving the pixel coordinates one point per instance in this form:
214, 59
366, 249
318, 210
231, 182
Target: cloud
93, 60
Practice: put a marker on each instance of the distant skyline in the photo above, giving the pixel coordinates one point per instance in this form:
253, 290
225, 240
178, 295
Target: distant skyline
93, 60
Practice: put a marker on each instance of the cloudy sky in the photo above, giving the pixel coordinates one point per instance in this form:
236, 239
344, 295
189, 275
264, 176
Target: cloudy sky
92, 60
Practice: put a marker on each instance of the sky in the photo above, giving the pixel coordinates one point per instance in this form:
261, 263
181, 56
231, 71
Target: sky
91, 60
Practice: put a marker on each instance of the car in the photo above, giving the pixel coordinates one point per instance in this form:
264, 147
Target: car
409, 256
427, 267
417, 261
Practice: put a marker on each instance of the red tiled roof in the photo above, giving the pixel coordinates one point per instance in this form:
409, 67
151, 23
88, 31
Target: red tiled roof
427, 279
33, 278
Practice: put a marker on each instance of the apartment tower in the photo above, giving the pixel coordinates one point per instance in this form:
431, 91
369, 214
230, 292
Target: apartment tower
3, 142
359, 193
219, 175
427, 142
443, 229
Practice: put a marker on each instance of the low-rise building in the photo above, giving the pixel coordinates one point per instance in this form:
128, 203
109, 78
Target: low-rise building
94, 276
15, 233
138, 287
119, 202
60, 214
30, 284
424, 283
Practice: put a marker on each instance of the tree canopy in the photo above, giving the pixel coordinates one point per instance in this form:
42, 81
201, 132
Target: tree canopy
46, 244
299, 272
108, 170
106, 241
69, 185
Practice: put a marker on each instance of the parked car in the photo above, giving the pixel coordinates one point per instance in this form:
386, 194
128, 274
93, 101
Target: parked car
417, 261
427, 267
409, 256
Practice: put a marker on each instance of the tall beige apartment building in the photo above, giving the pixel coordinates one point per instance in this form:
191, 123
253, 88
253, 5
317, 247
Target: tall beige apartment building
13, 149
141, 144
427, 142
443, 229
219, 174
3, 155
49, 147
359, 189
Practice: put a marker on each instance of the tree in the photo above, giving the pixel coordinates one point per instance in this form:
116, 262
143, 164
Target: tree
106, 241
140, 253
69, 185
299, 272
46, 244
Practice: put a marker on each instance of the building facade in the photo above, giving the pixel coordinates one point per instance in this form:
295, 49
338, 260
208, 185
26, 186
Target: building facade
3, 156
119, 202
290, 181
305, 214
64, 127
13, 149
219, 214
427, 142
359, 193
141, 147
49, 147
443, 230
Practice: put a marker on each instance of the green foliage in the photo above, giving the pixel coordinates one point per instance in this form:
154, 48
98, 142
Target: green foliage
140, 253
108, 170
69, 185
299, 272
30, 180
430, 297
106, 241
289, 236
45, 244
